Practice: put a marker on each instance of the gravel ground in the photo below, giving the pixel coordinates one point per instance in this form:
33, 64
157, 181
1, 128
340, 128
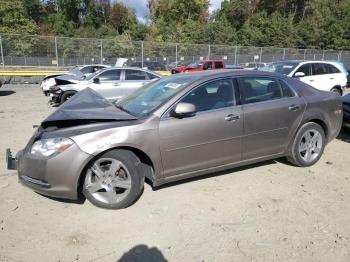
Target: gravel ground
270, 211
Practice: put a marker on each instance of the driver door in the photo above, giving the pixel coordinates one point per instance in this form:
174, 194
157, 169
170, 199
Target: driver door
212, 137
109, 83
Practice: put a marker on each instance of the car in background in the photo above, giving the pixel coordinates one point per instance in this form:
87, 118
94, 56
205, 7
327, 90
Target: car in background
323, 75
149, 65
176, 128
112, 83
252, 65
73, 76
346, 110
201, 65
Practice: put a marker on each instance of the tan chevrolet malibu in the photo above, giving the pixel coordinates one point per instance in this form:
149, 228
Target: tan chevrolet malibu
178, 127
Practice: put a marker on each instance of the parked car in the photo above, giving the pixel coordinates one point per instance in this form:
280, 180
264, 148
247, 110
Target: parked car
73, 76
346, 110
178, 127
200, 66
252, 65
150, 65
112, 83
323, 75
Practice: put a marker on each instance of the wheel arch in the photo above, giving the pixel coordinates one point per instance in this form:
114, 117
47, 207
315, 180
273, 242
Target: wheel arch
141, 155
338, 87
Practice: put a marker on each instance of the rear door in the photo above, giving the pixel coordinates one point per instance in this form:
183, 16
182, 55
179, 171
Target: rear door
133, 79
210, 138
271, 113
321, 79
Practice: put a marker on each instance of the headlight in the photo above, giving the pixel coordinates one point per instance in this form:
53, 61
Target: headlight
51, 146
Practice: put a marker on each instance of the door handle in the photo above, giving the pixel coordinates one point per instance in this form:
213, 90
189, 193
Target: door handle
311, 80
293, 108
232, 117
331, 78
116, 84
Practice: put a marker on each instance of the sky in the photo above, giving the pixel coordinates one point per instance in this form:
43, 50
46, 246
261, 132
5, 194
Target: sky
141, 7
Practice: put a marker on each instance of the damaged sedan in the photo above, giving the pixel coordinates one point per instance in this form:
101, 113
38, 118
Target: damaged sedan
178, 127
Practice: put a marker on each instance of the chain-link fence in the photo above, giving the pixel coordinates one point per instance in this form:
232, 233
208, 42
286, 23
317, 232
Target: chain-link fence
26, 50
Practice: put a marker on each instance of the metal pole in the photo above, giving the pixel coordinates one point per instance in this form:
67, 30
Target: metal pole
261, 50
305, 54
176, 55
339, 55
236, 55
208, 52
284, 53
101, 52
56, 51
142, 54
323, 55
2, 52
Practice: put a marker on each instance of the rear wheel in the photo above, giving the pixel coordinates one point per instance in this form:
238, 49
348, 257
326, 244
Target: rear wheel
308, 145
114, 180
337, 91
67, 95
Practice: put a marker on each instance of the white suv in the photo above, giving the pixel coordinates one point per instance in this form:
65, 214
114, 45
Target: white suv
323, 75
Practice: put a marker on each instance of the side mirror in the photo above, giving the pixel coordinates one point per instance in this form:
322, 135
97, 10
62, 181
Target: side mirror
96, 80
184, 110
299, 74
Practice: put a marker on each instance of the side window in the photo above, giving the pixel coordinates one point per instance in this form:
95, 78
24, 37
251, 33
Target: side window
286, 90
213, 95
218, 64
319, 69
87, 70
207, 66
332, 69
260, 89
306, 69
110, 75
135, 75
152, 76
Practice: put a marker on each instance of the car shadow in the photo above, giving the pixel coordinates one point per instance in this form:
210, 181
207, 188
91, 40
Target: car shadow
344, 135
142, 253
6, 92
81, 199
220, 173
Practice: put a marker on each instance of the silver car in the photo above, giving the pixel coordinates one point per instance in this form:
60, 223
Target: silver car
112, 83
178, 127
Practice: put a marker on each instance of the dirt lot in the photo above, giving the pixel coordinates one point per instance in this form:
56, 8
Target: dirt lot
266, 212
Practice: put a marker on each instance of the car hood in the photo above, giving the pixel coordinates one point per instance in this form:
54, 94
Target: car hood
85, 107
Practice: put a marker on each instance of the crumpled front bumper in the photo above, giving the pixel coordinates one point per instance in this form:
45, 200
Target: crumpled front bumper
58, 176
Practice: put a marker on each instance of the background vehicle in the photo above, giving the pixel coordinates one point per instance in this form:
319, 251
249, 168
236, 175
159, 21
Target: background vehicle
73, 76
150, 65
175, 128
346, 110
112, 83
200, 66
323, 75
252, 65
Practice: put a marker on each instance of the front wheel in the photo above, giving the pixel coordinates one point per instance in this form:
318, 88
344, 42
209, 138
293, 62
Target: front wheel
337, 91
114, 180
307, 146
67, 95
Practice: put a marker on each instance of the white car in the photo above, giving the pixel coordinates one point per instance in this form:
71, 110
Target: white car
112, 83
75, 75
323, 75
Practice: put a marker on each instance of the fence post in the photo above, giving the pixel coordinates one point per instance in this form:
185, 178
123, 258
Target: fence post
323, 55
2, 52
261, 50
101, 53
236, 47
56, 51
304, 54
284, 53
142, 54
339, 55
176, 55
208, 52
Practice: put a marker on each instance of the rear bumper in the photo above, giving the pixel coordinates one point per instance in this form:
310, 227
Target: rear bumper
56, 177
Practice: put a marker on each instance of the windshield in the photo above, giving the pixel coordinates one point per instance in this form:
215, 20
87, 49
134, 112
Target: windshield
196, 65
284, 68
146, 99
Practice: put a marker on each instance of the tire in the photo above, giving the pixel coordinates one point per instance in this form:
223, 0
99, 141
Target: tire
114, 180
337, 90
66, 95
307, 146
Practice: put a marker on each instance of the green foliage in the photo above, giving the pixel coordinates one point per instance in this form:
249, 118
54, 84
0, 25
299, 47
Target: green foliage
280, 23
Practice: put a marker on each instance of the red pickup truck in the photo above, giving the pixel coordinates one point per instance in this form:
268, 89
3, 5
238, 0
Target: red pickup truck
200, 66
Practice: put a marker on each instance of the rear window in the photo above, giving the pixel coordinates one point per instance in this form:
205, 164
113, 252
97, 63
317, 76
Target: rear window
219, 64
135, 75
319, 69
332, 69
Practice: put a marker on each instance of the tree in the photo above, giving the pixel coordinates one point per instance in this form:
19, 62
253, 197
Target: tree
121, 18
